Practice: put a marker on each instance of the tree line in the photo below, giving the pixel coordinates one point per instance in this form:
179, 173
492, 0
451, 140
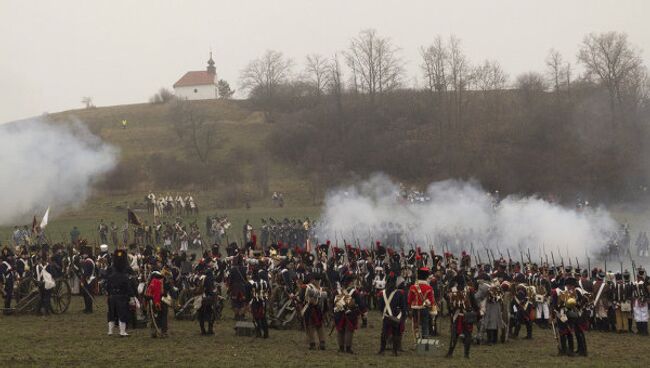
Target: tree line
580, 125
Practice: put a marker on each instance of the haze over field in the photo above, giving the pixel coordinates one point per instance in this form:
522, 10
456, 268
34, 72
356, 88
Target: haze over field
121, 52
460, 214
48, 165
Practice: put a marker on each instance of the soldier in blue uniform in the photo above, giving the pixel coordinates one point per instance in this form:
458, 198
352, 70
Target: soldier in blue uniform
87, 278
7, 277
393, 302
206, 311
120, 290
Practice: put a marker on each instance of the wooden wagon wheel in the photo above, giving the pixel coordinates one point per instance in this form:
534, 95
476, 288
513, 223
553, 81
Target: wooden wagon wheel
61, 295
24, 288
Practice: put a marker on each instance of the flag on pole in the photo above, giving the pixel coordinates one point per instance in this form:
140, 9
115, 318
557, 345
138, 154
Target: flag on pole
34, 225
133, 218
45, 219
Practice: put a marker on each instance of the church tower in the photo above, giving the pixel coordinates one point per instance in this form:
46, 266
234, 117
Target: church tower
211, 69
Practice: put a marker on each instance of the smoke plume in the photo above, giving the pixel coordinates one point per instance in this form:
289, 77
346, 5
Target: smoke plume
462, 216
48, 165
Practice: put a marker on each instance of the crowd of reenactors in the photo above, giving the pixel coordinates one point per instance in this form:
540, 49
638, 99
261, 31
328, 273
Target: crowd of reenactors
336, 287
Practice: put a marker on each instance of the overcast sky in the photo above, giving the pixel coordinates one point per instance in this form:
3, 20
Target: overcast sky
54, 52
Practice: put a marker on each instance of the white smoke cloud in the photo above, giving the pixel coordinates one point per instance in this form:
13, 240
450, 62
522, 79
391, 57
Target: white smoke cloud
48, 165
461, 215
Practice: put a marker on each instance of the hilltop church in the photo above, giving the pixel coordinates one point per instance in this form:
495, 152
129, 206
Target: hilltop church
198, 85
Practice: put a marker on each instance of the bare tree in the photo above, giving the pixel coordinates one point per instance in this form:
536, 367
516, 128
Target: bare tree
263, 76
87, 101
196, 133
317, 72
490, 79
490, 76
610, 57
458, 78
556, 69
163, 96
374, 63
335, 82
434, 61
531, 85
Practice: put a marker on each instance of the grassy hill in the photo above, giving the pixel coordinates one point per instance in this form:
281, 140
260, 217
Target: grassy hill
150, 131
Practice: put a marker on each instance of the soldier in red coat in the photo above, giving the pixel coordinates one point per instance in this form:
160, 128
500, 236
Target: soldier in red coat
157, 308
422, 302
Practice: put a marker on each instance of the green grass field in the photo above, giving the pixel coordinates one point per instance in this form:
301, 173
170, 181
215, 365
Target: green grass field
77, 339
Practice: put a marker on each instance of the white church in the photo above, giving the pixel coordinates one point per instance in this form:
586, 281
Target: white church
198, 85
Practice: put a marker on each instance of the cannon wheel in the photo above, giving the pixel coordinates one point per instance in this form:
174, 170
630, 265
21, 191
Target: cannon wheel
61, 296
183, 298
27, 296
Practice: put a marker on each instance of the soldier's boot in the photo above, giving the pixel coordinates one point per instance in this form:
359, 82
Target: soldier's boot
210, 328
582, 345
570, 346
258, 328
265, 329
348, 349
202, 325
341, 349
321, 346
312, 346
364, 322
629, 325
563, 349
529, 331
452, 346
111, 326
516, 333
382, 345
123, 329
396, 344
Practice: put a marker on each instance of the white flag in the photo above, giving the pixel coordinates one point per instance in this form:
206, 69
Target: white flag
45, 218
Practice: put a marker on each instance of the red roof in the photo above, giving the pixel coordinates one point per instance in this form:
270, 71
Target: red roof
197, 78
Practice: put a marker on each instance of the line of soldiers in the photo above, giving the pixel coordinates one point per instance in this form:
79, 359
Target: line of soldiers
171, 235
286, 231
487, 303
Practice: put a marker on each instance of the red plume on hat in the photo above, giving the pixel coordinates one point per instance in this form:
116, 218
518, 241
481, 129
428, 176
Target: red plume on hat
328, 243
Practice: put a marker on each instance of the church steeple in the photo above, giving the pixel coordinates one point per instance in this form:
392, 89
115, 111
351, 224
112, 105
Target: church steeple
211, 69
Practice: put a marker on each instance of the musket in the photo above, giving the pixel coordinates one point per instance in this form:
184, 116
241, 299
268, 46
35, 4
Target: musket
528, 255
555, 334
589, 266
488, 255
553, 259
153, 318
577, 263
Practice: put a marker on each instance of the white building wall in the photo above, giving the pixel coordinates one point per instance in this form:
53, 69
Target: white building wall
205, 92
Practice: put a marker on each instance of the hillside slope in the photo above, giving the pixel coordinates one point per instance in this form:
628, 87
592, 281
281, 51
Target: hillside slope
150, 132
